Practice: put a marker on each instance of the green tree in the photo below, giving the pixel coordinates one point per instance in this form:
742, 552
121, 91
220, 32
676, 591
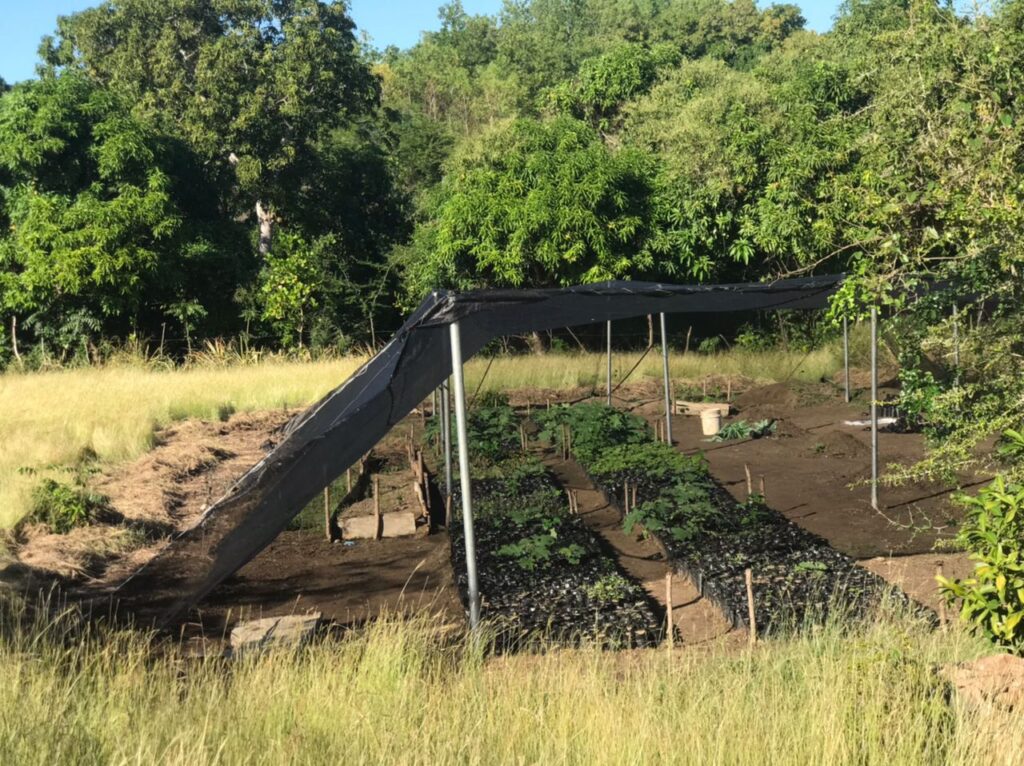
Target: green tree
536, 203
250, 85
90, 218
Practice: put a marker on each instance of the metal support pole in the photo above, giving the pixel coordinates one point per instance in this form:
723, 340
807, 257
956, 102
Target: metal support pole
467, 498
874, 408
846, 356
668, 385
609, 378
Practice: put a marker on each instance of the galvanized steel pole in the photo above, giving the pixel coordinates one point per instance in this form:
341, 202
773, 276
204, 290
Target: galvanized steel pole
874, 408
609, 377
668, 385
464, 478
846, 356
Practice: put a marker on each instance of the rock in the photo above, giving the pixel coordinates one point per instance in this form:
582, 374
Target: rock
398, 524
997, 680
259, 635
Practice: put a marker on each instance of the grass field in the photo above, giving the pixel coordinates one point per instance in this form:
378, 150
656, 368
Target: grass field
47, 419
393, 695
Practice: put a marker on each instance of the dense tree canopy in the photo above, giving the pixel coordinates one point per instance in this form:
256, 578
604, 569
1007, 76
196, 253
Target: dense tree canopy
229, 166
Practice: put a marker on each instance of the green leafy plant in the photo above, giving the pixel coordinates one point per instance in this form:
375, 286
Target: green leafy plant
651, 460
593, 428
610, 589
62, 507
741, 429
992, 599
536, 551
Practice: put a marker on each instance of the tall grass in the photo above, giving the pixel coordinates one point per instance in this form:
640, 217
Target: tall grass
393, 694
48, 418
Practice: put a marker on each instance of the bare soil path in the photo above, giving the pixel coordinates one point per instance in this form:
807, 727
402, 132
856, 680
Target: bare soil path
696, 619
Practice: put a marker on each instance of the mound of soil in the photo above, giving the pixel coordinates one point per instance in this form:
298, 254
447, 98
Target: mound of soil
777, 395
998, 680
840, 444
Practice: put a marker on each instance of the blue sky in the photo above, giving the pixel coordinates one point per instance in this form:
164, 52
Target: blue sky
394, 22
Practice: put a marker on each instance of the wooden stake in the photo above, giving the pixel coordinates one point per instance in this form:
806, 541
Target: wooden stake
376, 508
421, 498
728, 389
764, 496
705, 386
549, 402
527, 409
348, 480
942, 602
632, 503
670, 622
327, 512
625, 496
568, 449
751, 617
448, 511
689, 330
750, 481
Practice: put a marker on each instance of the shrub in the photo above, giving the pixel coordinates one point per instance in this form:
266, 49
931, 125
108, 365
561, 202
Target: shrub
62, 507
992, 600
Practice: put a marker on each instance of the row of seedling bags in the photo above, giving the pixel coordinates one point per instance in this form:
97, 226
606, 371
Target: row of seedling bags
544, 576
797, 577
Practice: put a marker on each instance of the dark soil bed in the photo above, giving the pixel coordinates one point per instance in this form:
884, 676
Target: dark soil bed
569, 602
798, 578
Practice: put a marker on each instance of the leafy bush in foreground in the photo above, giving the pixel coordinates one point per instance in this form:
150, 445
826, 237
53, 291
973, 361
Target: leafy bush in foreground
992, 600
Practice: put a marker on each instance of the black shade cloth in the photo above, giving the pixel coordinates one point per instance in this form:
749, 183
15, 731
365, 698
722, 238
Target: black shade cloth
343, 426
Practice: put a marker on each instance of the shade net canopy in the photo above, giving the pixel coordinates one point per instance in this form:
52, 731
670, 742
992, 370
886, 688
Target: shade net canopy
337, 431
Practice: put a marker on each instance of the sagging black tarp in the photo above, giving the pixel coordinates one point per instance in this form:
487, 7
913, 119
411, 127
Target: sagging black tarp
343, 426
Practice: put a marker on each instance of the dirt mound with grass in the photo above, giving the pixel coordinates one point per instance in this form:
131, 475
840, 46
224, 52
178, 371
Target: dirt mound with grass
192, 465
163, 492
840, 444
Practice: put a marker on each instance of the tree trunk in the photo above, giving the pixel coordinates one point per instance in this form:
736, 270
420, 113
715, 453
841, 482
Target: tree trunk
266, 219
536, 344
14, 337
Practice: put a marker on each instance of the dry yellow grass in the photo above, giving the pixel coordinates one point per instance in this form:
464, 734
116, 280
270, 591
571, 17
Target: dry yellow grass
48, 418
392, 695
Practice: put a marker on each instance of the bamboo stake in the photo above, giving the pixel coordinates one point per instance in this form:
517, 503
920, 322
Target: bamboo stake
751, 617
764, 495
942, 602
376, 508
750, 481
327, 512
670, 626
728, 389
348, 480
